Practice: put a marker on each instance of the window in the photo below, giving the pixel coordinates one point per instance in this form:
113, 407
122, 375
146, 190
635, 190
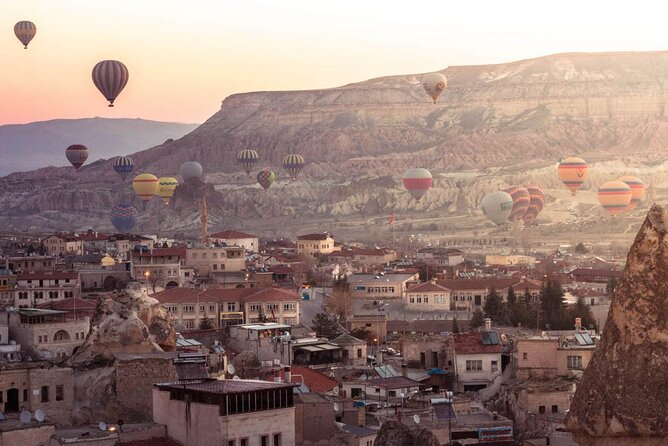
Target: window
555, 408
60, 392
289, 306
25, 394
525, 355
212, 308
575, 362
495, 366
264, 440
45, 394
188, 308
359, 352
243, 442
202, 308
277, 440
232, 306
215, 266
541, 409
412, 300
231, 443
474, 365
254, 307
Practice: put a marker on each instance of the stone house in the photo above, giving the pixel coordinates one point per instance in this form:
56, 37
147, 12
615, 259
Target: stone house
353, 349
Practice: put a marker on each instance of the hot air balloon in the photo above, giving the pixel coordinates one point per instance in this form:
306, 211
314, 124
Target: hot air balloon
77, 155
536, 203
266, 178
123, 165
615, 197
248, 158
145, 186
25, 31
110, 77
573, 172
293, 163
638, 193
191, 170
434, 84
124, 217
417, 181
166, 188
521, 200
497, 206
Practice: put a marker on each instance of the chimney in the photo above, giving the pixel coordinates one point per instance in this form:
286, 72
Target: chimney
287, 374
361, 416
404, 370
488, 324
277, 376
578, 324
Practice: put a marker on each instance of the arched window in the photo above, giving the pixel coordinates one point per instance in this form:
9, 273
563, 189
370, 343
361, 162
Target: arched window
61, 336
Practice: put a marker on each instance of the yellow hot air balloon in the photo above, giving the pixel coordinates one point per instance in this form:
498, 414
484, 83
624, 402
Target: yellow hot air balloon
167, 186
638, 193
573, 172
614, 196
145, 186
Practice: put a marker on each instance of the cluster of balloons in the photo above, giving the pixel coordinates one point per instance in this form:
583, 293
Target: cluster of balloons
517, 203
621, 195
293, 163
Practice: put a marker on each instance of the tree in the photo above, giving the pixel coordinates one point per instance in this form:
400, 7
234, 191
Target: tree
583, 311
610, 286
326, 326
205, 324
477, 320
455, 325
553, 308
340, 302
580, 248
360, 333
493, 306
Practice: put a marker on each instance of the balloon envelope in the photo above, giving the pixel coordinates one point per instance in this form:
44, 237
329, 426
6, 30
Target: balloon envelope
521, 200
124, 217
638, 192
25, 31
573, 172
247, 158
417, 181
191, 170
266, 178
434, 84
615, 197
497, 206
166, 188
145, 186
123, 165
293, 163
536, 203
77, 155
110, 77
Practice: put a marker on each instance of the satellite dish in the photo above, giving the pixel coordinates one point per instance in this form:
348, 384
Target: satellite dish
230, 369
336, 407
236, 378
363, 377
102, 426
25, 416
39, 415
416, 418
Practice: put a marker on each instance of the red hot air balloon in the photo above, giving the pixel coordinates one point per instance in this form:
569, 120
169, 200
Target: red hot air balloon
110, 77
521, 200
77, 155
417, 181
536, 203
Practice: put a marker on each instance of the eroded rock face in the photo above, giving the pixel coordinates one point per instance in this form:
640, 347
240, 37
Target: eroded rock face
393, 433
129, 323
622, 397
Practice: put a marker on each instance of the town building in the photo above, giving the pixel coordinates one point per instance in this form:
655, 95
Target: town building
160, 266
381, 286
94, 242
63, 244
471, 294
233, 237
226, 412
428, 296
212, 259
440, 257
477, 359
315, 245
510, 260
32, 263
353, 349
549, 355
7, 283
36, 288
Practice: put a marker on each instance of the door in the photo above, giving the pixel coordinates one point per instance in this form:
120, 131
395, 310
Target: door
12, 404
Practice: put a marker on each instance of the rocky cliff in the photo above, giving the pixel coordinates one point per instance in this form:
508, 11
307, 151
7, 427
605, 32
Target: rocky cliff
494, 124
621, 400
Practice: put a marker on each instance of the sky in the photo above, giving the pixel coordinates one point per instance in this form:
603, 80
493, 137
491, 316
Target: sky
185, 57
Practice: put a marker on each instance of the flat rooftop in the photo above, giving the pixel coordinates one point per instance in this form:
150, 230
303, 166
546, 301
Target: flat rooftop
226, 386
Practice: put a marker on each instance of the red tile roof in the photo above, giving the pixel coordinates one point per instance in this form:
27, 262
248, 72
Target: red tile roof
314, 380
471, 343
190, 295
49, 275
427, 287
231, 234
161, 252
272, 295
476, 284
318, 236
70, 304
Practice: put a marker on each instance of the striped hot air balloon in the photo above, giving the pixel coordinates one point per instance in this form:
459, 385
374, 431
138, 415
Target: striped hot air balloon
417, 181
110, 77
573, 172
146, 186
266, 178
124, 217
293, 163
536, 203
166, 188
247, 158
615, 197
123, 165
25, 31
497, 206
521, 200
638, 192
77, 155
434, 84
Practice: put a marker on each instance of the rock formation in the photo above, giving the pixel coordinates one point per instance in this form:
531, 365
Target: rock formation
622, 397
393, 433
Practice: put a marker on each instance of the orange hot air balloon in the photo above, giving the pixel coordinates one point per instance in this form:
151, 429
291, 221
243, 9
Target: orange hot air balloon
521, 200
536, 203
146, 186
638, 192
615, 197
573, 172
